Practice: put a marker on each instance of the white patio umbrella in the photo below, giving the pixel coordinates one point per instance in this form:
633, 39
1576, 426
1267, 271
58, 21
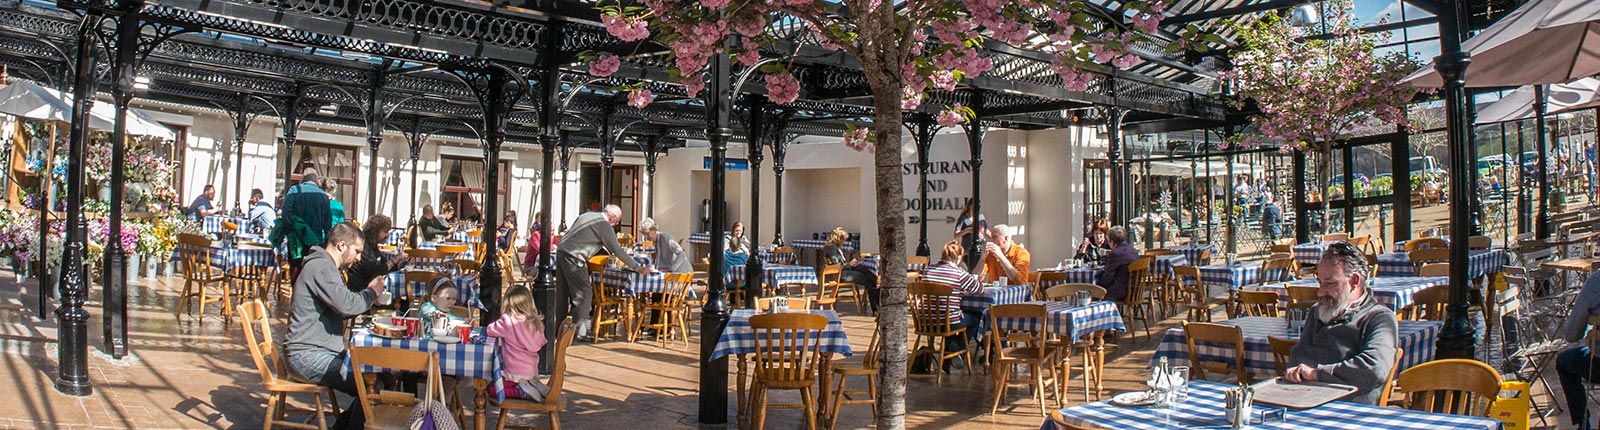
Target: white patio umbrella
29, 100
1518, 104
1541, 42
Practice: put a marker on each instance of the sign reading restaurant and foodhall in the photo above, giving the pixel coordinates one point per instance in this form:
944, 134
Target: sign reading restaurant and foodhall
949, 187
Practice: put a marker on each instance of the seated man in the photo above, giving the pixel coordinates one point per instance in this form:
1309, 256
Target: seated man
1350, 338
1114, 278
1577, 363
1004, 258
315, 347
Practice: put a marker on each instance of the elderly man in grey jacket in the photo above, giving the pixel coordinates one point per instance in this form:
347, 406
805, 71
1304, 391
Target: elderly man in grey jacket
1350, 338
590, 233
669, 254
315, 346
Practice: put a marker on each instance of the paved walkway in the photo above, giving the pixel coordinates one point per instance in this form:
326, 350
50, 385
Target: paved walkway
188, 375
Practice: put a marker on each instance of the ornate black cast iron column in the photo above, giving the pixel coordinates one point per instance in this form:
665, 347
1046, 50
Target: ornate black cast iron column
923, 128
1542, 225
566, 150
714, 316
376, 121
414, 139
755, 130
1119, 166
72, 373
778, 137
492, 90
546, 295
292, 114
974, 129
1458, 337
115, 282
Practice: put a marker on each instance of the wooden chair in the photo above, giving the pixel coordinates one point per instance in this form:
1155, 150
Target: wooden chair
416, 277
1480, 242
930, 320
464, 266
1137, 304
1450, 386
247, 283
1217, 334
916, 263
867, 369
795, 304
195, 254
1028, 349
475, 242
1282, 248
1062, 424
1364, 243
1302, 298
1434, 269
788, 356
1259, 303
1335, 237
390, 409
432, 259
1427, 304
1426, 243
1194, 292
553, 403
609, 310
785, 255
1045, 281
1205, 258
1069, 292
1281, 349
1159, 251
253, 318
1278, 269
828, 292
452, 250
1428, 255
669, 306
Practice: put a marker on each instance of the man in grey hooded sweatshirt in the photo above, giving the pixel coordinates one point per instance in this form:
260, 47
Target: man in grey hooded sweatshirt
1350, 337
315, 346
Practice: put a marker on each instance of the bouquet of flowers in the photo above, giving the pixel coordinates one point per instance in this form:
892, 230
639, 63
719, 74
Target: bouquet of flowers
147, 243
19, 237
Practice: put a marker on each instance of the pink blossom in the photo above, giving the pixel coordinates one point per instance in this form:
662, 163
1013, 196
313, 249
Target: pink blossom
692, 84
1102, 54
910, 98
943, 79
858, 139
750, 53
640, 98
1126, 61
1148, 23
605, 66
1156, 7
626, 28
783, 88
950, 117
750, 27
1071, 77
714, 4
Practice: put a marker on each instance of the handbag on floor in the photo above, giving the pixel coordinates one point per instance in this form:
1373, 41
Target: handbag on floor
432, 414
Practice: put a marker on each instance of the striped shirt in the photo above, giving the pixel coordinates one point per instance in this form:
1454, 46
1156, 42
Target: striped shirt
960, 282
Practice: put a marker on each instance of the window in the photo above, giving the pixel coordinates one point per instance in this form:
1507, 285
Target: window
463, 185
333, 162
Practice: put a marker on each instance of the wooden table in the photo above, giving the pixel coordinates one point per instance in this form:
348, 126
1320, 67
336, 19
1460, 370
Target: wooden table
1574, 264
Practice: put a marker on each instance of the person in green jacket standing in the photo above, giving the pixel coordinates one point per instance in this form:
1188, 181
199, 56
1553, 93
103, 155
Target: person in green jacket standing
305, 220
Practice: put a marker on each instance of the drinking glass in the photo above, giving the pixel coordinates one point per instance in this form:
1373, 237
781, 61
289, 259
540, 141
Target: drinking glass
1180, 381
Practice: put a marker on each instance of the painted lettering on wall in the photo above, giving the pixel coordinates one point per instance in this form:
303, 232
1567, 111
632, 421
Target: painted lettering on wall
949, 187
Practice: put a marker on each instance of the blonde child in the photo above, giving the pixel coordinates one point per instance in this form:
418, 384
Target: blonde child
520, 332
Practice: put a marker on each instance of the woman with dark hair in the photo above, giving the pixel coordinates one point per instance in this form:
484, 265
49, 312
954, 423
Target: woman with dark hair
737, 242
508, 225
374, 262
1095, 245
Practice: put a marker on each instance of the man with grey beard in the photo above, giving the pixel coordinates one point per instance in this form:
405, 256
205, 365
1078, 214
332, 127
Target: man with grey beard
1350, 338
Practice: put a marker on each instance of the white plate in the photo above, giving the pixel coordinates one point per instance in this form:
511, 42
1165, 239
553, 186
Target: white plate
1134, 398
447, 339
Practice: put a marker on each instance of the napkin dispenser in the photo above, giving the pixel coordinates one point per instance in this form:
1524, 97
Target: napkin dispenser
1239, 403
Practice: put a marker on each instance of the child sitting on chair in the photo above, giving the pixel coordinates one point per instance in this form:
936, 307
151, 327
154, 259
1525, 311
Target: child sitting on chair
441, 297
520, 331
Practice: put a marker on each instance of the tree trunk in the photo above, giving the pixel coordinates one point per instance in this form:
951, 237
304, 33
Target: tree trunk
893, 311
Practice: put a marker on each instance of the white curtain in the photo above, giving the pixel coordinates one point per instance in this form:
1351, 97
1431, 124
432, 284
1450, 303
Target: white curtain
472, 173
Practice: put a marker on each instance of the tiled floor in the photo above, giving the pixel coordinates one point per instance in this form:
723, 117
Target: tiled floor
191, 376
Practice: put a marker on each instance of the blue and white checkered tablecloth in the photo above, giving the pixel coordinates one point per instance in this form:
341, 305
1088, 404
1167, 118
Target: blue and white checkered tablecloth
700, 238
464, 237
397, 236
1068, 319
1416, 338
229, 258
1310, 253
1479, 262
778, 274
818, 244
1395, 292
1193, 251
213, 224
991, 296
464, 359
739, 338
1205, 406
769, 257
632, 283
1081, 275
1163, 263
1231, 277
466, 288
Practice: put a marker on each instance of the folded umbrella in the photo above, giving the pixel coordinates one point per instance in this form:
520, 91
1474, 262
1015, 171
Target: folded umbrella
1541, 42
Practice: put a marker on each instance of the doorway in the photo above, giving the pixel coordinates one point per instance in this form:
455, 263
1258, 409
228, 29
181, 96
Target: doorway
624, 191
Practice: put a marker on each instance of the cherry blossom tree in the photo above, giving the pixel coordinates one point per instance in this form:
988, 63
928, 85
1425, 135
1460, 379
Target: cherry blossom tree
1312, 92
904, 49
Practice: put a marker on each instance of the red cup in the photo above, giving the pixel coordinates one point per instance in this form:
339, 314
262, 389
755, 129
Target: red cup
413, 325
464, 332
